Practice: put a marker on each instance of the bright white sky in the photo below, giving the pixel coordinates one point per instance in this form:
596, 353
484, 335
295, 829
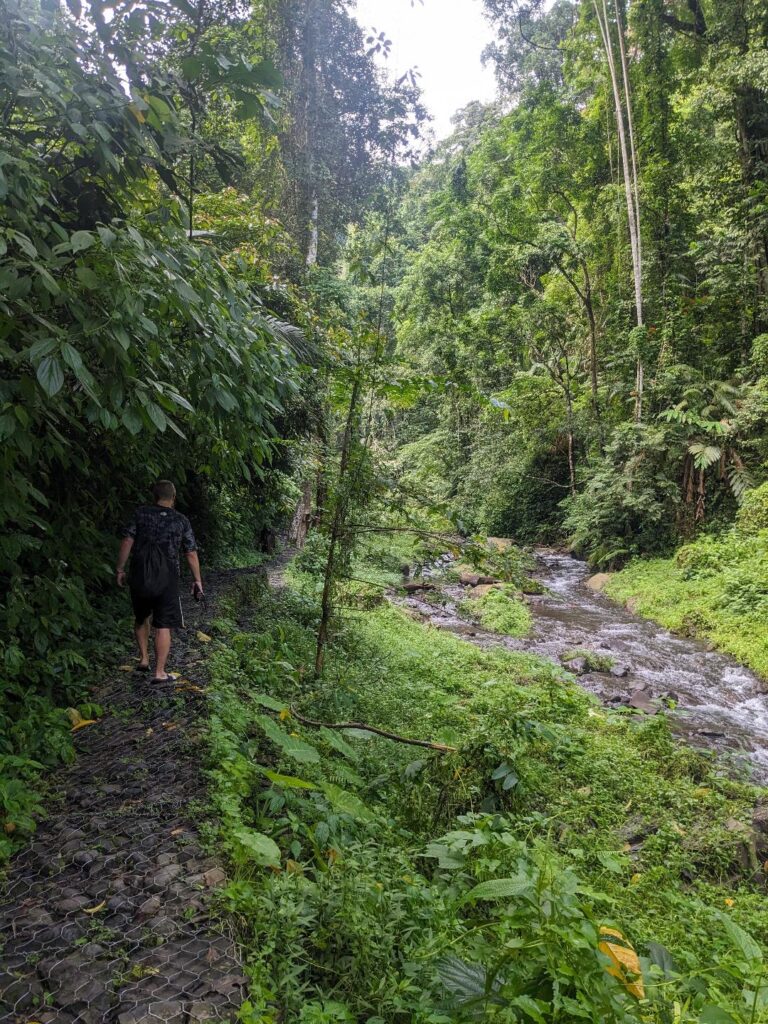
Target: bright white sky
444, 39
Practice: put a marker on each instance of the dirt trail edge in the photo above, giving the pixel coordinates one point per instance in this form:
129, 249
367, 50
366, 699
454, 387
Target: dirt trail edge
105, 917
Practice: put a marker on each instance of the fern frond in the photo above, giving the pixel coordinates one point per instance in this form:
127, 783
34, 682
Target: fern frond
704, 455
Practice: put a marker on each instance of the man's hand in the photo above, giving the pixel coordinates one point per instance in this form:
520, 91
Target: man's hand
120, 575
197, 590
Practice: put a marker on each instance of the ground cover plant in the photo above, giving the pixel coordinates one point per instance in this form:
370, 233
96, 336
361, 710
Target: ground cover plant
715, 587
499, 610
377, 881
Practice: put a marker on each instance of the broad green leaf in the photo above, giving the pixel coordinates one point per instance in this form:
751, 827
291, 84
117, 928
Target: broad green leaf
288, 781
740, 939
88, 279
292, 746
71, 356
500, 889
464, 980
716, 1015
346, 802
339, 743
533, 1010
42, 347
107, 236
157, 416
269, 702
259, 847
82, 240
50, 375
132, 421
445, 857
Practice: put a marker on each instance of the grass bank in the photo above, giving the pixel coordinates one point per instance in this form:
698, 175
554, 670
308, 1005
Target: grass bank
715, 588
379, 882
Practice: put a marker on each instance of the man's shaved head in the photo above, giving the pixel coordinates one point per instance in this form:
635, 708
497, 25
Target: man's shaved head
163, 490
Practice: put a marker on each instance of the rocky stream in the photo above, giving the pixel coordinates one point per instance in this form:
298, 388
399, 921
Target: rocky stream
712, 700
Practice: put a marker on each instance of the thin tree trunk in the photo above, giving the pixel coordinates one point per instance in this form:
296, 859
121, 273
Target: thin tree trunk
313, 232
337, 528
632, 199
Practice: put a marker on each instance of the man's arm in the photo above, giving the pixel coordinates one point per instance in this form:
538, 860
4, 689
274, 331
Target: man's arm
194, 566
125, 549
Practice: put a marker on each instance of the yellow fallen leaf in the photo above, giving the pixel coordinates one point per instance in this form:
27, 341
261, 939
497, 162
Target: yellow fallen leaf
96, 909
83, 722
203, 637
176, 831
677, 828
125, 668
285, 713
149, 731
624, 963
729, 902
702, 791
74, 715
635, 878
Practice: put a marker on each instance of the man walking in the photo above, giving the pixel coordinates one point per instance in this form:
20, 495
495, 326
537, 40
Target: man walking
154, 537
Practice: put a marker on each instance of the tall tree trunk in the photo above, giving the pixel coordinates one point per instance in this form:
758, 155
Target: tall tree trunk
630, 187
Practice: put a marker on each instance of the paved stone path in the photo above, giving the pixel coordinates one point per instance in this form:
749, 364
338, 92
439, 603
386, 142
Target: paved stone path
106, 917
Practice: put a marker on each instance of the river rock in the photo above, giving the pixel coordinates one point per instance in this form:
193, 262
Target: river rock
576, 665
413, 586
619, 670
640, 700
598, 581
476, 579
760, 828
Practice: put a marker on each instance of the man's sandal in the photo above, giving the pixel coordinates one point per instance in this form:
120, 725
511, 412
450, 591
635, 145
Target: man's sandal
168, 678
141, 668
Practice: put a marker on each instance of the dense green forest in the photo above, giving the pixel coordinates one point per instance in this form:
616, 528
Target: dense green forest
230, 255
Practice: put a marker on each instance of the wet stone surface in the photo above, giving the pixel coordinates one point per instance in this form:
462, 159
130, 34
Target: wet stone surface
713, 702
105, 917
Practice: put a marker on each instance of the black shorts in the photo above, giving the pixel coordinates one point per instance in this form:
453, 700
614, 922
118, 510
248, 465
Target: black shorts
165, 610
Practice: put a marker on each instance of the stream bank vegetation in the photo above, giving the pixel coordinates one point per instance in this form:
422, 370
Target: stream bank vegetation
559, 861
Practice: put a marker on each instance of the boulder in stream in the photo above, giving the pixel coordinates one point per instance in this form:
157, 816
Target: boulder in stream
412, 586
598, 581
641, 701
474, 579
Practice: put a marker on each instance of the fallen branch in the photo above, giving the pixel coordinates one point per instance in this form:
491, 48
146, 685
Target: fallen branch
443, 747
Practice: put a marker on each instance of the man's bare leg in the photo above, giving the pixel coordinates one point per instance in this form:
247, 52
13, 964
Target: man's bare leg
162, 648
141, 629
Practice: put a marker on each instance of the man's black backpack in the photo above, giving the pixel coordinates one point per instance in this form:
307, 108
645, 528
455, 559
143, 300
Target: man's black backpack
150, 570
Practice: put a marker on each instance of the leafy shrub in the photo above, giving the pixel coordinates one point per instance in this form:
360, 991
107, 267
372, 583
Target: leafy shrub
753, 513
593, 661
500, 612
631, 502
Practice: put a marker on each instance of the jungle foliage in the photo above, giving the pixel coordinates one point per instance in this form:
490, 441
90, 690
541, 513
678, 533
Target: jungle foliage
626, 375
378, 882
161, 316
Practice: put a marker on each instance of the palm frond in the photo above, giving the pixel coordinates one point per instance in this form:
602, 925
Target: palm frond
704, 455
740, 481
305, 350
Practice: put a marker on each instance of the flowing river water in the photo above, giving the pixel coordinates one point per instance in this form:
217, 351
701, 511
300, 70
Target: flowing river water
712, 700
